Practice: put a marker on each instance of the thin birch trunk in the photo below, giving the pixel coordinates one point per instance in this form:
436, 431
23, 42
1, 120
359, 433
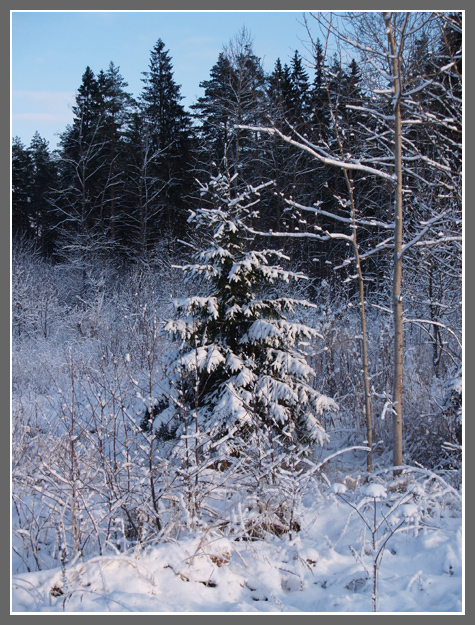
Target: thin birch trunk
396, 68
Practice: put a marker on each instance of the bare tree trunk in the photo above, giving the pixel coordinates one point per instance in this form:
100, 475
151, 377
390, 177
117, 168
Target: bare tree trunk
361, 294
364, 337
364, 344
398, 216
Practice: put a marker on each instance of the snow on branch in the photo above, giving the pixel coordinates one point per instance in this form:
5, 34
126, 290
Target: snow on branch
313, 150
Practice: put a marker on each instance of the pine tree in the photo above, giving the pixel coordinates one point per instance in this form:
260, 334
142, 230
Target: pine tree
213, 112
79, 198
90, 201
240, 366
274, 82
33, 177
86, 114
300, 91
21, 190
160, 100
280, 92
116, 109
235, 94
44, 173
288, 90
320, 117
169, 137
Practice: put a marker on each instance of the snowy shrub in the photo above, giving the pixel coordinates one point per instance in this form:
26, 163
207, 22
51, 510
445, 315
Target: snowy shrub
37, 309
441, 430
410, 503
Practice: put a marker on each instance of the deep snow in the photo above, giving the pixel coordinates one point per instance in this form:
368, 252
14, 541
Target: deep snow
326, 567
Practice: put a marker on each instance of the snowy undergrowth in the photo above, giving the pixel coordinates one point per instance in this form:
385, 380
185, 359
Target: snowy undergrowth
90, 481
326, 567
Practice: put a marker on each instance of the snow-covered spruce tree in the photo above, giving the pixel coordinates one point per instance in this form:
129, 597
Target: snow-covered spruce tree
240, 369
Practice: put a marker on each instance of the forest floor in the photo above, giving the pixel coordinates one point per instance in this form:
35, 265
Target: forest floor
326, 567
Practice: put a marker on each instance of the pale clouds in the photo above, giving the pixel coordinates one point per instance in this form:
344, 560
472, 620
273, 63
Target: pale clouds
49, 110
41, 117
198, 42
35, 102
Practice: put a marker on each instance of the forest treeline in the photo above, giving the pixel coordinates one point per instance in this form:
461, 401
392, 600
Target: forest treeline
124, 175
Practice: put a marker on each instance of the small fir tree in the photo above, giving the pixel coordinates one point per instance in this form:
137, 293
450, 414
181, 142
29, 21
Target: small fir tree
240, 365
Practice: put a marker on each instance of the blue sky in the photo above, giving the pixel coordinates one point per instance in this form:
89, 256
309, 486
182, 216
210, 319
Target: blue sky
50, 51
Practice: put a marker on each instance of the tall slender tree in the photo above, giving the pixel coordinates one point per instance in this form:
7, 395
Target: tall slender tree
300, 90
213, 113
320, 115
116, 107
169, 137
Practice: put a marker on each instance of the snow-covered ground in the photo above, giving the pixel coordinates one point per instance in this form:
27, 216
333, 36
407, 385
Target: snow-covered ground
326, 567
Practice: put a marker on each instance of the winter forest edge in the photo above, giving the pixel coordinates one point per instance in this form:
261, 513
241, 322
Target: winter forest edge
237, 333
